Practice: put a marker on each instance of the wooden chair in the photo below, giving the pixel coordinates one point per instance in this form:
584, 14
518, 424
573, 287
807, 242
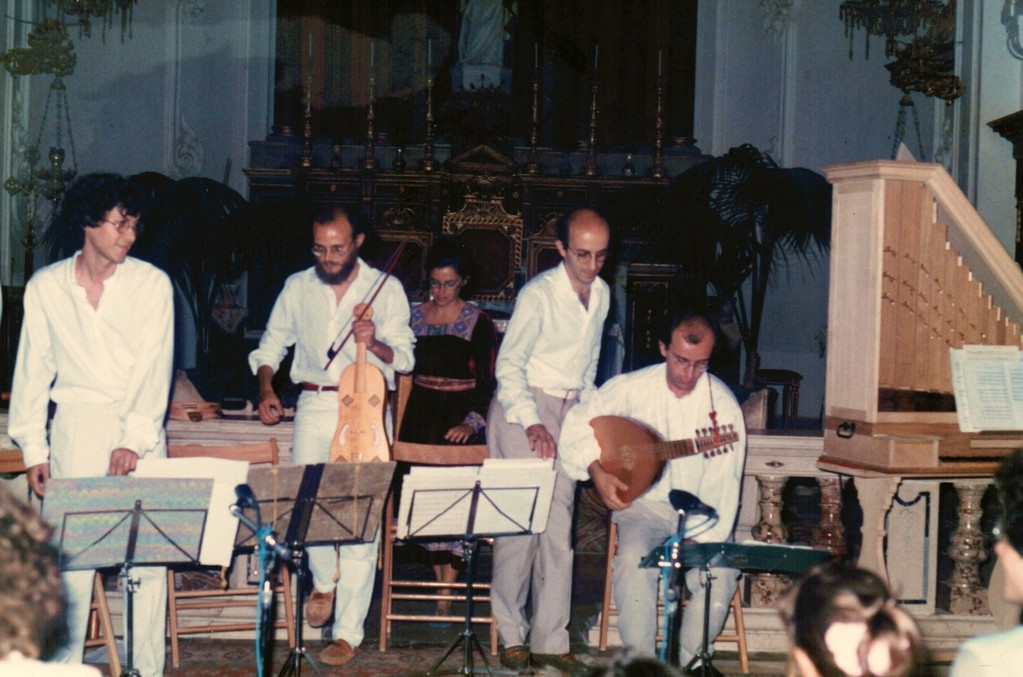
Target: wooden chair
608, 609
409, 590
101, 627
226, 597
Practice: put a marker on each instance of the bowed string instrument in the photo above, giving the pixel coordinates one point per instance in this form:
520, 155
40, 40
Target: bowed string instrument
362, 391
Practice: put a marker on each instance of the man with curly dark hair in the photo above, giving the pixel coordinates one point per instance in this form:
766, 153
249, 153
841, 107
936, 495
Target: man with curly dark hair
97, 340
31, 596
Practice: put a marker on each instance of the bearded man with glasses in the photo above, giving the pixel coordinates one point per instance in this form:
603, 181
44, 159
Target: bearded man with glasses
314, 308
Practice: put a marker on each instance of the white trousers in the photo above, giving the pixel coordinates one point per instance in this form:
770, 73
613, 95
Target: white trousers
642, 527
315, 425
81, 439
538, 563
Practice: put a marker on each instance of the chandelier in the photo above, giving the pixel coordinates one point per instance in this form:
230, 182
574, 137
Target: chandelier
889, 19
87, 10
918, 34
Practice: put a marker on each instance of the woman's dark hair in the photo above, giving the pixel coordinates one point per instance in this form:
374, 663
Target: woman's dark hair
1009, 480
450, 253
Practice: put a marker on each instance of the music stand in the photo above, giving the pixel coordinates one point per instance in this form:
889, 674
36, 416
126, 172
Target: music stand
503, 497
318, 504
103, 522
762, 557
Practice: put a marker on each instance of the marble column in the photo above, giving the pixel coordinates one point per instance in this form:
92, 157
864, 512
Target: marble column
967, 552
767, 587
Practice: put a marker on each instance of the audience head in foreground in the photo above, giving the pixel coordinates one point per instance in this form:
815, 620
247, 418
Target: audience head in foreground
31, 596
639, 666
843, 622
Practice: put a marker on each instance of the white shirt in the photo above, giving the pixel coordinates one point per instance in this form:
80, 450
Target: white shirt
993, 655
644, 395
119, 353
552, 343
16, 665
308, 316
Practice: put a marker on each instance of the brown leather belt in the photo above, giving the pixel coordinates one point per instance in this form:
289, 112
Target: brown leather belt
448, 385
306, 385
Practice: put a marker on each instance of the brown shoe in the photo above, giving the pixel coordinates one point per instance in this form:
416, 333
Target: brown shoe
319, 608
514, 657
564, 662
339, 653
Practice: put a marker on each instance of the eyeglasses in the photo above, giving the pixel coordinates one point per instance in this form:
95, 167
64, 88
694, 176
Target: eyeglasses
699, 367
337, 250
585, 257
447, 284
124, 226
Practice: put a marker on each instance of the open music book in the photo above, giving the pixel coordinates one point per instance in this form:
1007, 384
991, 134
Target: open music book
988, 386
515, 498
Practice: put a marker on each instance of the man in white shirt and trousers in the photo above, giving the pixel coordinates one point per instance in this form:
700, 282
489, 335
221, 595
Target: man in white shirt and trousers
547, 363
97, 340
314, 308
676, 398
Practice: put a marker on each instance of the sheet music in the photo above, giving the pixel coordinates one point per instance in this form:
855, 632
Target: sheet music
515, 498
221, 525
988, 386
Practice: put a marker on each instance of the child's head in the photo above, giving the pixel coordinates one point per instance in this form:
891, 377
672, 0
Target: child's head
843, 622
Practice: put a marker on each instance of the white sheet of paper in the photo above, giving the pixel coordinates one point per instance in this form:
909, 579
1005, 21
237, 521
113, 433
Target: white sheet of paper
221, 525
516, 494
988, 386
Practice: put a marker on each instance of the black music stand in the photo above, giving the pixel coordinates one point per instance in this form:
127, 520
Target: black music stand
469, 503
123, 521
759, 557
318, 504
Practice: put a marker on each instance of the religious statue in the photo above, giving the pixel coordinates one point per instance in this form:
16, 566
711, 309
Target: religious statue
482, 35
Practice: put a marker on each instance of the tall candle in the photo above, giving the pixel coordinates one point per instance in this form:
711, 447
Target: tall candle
310, 45
372, 53
596, 56
536, 56
429, 51
659, 55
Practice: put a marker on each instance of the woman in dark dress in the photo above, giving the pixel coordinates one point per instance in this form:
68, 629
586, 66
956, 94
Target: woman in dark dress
453, 379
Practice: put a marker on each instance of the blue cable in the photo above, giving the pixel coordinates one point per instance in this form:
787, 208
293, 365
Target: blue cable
262, 610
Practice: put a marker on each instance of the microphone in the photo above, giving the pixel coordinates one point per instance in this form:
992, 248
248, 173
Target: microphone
245, 495
687, 503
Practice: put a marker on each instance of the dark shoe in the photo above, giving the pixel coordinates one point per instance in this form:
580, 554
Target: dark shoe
319, 608
565, 662
339, 653
698, 671
514, 657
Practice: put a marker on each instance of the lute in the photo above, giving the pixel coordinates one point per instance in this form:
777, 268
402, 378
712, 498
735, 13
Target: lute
636, 455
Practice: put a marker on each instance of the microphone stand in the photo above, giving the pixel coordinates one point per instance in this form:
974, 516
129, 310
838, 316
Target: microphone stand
277, 552
685, 504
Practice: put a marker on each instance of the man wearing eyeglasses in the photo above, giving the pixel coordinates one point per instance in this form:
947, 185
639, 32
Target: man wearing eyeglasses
679, 400
97, 340
547, 363
1001, 653
315, 307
